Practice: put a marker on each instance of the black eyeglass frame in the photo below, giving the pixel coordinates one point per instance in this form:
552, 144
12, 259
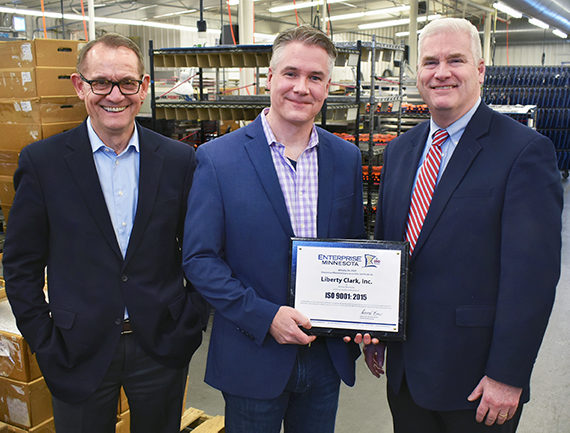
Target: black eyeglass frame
113, 84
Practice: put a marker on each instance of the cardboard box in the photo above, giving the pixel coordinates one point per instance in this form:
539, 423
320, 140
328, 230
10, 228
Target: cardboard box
57, 52
45, 427
25, 83
39, 52
20, 110
54, 81
123, 423
16, 359
17, 54
6, 195
8, 162
25, 404
46, 109
62, 109
123, 402
18, 83
49, 129
16, 136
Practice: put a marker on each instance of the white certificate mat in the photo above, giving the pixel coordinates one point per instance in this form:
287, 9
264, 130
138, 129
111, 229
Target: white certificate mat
349, 286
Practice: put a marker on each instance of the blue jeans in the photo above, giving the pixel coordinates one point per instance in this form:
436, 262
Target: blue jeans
307, 405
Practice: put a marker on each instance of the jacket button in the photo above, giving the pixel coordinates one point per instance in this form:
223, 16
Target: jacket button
124, 278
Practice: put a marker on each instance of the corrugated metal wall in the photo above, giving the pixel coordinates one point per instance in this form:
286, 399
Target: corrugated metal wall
531, 55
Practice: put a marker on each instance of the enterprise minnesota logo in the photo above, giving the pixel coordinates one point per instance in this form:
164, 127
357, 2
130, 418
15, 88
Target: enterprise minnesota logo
371, 261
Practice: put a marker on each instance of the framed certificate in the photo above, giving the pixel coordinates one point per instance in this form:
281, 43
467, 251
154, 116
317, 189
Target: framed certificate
347, 287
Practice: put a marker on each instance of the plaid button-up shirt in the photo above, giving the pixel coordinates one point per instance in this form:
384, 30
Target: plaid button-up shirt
300, 185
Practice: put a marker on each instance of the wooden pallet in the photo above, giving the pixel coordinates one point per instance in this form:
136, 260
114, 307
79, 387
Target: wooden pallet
196, 421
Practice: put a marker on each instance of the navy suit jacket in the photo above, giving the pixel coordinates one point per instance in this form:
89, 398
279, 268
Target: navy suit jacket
59, 219
482, 276
236, 253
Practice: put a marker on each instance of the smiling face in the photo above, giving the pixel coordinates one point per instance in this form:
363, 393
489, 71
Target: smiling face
449, 79
112, 115
299, 83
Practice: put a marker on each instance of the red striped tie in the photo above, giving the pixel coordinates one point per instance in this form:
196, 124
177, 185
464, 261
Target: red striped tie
425, 185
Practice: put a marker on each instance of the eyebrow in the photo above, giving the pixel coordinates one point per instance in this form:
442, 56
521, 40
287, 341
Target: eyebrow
294, 69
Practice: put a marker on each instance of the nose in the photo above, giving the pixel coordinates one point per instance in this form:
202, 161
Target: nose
442, 70
301, 86
115, 93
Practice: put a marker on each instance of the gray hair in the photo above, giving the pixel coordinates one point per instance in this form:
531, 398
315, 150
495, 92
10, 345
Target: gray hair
113, 40
307, 35
456, 25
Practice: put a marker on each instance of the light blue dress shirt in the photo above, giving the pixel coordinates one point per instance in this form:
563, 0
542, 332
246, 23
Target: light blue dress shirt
119, 179
455, 131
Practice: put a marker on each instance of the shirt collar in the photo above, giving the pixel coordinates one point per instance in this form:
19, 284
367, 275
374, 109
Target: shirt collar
270, 136
97, 143
456, 129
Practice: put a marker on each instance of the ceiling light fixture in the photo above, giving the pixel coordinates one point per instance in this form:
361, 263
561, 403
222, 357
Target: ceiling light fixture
302, 5
393, 23
559, 33
538, 23
171, 14
386, 11
74, 17
508, 10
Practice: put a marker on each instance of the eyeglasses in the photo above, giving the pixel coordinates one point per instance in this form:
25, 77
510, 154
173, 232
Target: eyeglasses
104, 87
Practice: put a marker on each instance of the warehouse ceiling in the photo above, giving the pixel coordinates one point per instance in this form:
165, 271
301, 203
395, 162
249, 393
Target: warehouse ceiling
269, 20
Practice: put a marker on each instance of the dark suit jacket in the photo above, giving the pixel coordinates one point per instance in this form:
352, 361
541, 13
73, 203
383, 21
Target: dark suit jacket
59, 219
236, 253
484, 271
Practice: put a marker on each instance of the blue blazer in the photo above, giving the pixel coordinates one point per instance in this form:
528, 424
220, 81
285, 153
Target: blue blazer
59, 219
483, 274
236, 253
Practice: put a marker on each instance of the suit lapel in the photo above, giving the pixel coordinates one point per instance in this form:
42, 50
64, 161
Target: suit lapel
326, 183
151, 162
260, 156
80, 161
465, 153
406, 173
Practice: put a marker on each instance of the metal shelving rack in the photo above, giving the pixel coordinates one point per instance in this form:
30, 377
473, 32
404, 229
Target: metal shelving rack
346, 109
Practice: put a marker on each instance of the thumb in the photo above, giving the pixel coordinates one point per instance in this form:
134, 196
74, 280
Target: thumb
477, 392
302, 320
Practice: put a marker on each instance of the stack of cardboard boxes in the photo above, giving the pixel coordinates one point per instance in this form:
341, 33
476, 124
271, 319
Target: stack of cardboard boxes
25, 401
37, 100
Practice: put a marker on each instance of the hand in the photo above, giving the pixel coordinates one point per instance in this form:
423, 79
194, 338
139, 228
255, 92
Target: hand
499, 401
359, 338
374, 358
285, 327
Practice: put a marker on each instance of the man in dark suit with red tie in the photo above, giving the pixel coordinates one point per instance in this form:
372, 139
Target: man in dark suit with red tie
478, 196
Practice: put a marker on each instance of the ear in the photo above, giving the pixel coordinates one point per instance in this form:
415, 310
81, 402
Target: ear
144, 86
269, 76
481, 71
78, 85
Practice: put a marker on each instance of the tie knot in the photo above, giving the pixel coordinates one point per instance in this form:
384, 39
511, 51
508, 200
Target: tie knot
439, 137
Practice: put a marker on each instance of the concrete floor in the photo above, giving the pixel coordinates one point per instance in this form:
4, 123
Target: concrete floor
364, 406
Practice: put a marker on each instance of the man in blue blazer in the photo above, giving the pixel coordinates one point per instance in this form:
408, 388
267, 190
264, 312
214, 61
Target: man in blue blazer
102, 206
483, 271
254, 190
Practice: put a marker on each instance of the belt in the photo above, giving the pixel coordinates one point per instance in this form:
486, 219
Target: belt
126, 327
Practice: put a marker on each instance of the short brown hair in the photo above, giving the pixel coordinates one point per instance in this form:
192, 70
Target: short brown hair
307, 35
113, 40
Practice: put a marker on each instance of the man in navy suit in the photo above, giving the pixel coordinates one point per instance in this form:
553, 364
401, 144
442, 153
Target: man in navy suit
255, 189
102, 206
484, 268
